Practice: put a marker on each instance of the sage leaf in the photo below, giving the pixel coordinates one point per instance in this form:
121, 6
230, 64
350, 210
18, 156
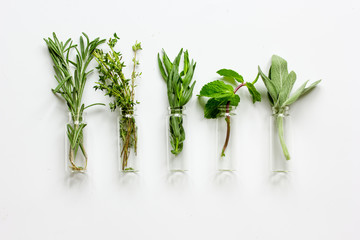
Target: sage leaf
279, 72
311, 87
279, 85
295, 95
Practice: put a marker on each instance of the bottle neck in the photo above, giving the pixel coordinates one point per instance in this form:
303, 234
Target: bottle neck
128, 111
76, 118
177, 110
280, 111
226, 110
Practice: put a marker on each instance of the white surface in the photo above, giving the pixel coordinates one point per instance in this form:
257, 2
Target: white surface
319, 39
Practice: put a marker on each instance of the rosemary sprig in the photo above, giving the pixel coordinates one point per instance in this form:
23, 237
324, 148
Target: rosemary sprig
179, 93
122, 90
71, 86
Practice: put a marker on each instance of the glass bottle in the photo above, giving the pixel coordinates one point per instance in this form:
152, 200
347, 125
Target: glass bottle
225, 126
280, 140
176, 122
76, 158
128, 140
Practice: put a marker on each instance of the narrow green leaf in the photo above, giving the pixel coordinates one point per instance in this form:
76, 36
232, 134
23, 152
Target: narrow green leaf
295, 95
161, 67
269, 85
311, 87
167, 62
256, 96
94, 104
61, 84
186, 61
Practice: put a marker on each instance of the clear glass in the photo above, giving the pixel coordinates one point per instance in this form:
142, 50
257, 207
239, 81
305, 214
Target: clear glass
225, 126
177, 157
128, 140
280, 140
76, 158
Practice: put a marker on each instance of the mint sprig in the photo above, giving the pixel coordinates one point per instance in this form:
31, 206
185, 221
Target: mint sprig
221, 94
279, 84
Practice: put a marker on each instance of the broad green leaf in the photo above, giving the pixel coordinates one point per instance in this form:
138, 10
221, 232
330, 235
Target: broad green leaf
234, 100
287, 87
212, 108
230, 73
279, 72
311, 87
217, 89
295, 95
269, 85
256, 96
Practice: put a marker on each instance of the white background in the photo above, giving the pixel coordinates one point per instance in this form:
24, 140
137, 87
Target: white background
320, 200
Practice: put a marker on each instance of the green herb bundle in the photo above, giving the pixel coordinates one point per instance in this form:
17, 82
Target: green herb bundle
179, 90
222, 94
71, 86
279, 84
122, 90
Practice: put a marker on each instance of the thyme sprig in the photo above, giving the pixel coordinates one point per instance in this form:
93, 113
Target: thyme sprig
71, 86
122, 90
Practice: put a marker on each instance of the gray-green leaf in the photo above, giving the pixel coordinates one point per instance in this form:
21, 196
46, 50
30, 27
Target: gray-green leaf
279, 72
295, 95
311, 87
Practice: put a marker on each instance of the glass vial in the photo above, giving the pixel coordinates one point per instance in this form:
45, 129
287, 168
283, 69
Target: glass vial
280, 140
175, 133
225, 126
76, 158
128, 140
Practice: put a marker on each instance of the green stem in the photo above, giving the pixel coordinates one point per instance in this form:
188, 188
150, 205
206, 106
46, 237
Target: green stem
227, 119
280, 126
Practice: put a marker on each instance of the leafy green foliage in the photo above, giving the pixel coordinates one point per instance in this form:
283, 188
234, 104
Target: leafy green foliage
279, 84
231, 74
71, 85
122, 90
221, 94
179, 90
